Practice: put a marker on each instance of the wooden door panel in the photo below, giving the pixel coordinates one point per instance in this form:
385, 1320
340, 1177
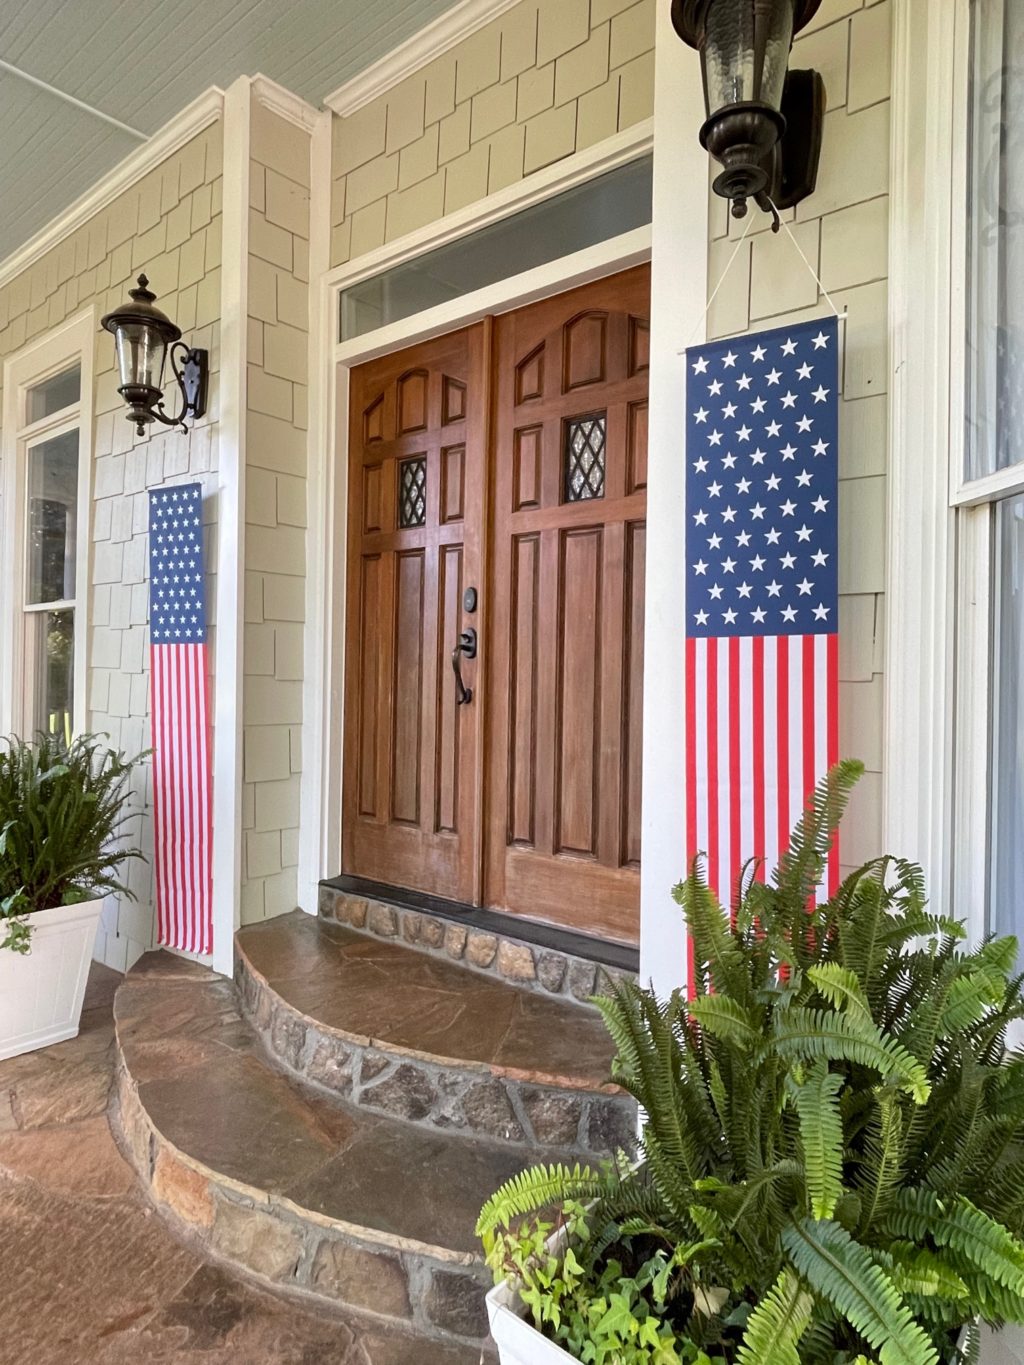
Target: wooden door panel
417, 473
569, 475
578, 650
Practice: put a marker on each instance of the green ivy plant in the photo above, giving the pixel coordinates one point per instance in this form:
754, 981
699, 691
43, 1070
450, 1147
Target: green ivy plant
831, 1168
62, 818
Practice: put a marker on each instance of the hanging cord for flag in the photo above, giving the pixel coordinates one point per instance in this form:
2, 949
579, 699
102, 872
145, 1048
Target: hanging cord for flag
777, 223
714, 293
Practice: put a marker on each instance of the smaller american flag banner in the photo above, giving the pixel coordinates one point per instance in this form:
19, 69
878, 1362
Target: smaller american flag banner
762, 593
180, 718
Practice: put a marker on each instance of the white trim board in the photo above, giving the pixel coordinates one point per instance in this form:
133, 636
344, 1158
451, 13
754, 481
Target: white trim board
437, 38
229, 639
196, 116
919, 663
287, 105
514, 291
318, 737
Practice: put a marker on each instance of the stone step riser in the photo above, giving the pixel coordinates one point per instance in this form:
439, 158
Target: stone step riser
438, 1295
464, 1097
502, 957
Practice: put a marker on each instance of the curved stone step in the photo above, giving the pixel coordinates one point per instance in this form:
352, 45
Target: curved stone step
295, 1188
410, 1035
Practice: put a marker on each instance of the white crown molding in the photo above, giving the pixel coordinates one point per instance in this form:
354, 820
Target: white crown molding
207, 109
284, 103
457, 24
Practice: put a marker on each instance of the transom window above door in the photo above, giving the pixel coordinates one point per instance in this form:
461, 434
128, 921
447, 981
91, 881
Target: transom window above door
602, 208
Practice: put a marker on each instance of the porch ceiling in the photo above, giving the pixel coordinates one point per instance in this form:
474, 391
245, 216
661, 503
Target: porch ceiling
141, 64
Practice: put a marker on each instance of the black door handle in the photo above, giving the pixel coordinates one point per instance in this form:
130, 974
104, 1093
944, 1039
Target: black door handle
467, 647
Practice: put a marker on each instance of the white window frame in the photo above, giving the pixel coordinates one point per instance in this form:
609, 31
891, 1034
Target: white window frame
939, 658
72, 343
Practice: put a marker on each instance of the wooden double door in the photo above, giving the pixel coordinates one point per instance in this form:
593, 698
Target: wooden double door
494, 630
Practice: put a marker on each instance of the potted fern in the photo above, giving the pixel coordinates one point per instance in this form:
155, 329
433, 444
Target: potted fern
62, 815
831, 1167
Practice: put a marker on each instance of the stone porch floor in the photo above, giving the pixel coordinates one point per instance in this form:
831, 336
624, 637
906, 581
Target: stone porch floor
91, 1273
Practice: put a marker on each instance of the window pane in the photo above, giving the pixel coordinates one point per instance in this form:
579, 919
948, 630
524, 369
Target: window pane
412, 492
53, 395
1007, 894
604, 207
52, 518
585, 439
50, 652
995, 323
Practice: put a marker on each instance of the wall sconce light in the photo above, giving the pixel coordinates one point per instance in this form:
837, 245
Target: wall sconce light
143, 336
764, 123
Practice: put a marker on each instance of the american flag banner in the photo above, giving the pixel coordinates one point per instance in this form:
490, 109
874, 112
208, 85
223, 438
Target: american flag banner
762, 594
180, 719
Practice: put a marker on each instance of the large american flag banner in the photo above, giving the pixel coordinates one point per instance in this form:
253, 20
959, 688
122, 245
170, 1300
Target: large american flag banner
180, 719
762, 595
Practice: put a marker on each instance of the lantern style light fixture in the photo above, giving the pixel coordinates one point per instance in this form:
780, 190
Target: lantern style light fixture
143, 338
764, 123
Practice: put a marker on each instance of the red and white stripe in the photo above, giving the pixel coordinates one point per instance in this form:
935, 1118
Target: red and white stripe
761, 731
181, 797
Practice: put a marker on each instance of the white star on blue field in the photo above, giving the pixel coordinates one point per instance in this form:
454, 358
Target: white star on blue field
762, 484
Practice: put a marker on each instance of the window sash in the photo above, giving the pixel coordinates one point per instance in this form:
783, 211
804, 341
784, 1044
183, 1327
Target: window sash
69, 346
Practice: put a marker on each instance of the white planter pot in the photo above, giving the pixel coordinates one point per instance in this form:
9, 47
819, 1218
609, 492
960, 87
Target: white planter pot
41, 991
518, 1341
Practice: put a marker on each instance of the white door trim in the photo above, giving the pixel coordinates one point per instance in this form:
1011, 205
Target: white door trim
229, 638
332, 362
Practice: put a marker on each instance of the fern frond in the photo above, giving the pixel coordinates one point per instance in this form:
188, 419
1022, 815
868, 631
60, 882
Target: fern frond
543, 1187
816, 1101
975, 1239
842, 1271
727, 1019
715, 949
776, 1325
800, 867
851, 1038
840, 987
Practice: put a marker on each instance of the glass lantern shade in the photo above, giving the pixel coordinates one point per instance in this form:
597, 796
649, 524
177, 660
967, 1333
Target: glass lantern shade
744, 48
142, 335
141, 354
746, 52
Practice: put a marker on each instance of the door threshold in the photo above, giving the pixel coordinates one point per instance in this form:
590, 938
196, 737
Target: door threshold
620, 956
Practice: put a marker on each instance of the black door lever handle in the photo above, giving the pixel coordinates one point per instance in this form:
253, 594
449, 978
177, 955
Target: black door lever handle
466, 647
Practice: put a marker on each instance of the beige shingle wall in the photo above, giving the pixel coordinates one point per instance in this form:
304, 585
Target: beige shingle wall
546, 79
169, 225
275, 510
843, 231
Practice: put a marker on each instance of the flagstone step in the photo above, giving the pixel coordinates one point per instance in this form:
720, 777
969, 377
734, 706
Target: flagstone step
301, 1191
416, 1037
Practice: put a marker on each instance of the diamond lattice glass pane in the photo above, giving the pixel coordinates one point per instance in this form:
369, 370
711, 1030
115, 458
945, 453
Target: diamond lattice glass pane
412, 492
584, 458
